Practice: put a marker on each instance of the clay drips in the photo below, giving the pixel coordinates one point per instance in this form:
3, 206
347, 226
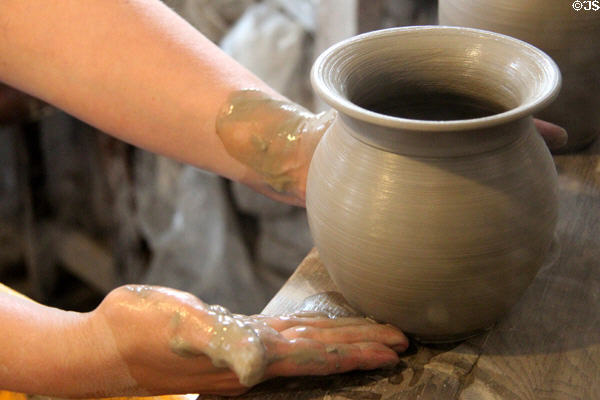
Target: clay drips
235, 343
231, 340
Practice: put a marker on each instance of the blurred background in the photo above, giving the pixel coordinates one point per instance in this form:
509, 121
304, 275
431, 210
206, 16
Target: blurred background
82, 213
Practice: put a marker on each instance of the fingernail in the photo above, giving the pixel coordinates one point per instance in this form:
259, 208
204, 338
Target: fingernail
389, 366
401, 342
561, 139
400, 348
557, 140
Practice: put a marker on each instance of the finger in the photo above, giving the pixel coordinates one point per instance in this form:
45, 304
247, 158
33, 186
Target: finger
384, 334
554, 135
309, 357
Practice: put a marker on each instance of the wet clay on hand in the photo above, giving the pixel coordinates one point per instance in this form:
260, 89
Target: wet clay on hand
159, 331
195, 329
275, 138
234, 343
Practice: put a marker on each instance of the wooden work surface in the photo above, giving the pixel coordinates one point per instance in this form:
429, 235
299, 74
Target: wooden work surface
548, 347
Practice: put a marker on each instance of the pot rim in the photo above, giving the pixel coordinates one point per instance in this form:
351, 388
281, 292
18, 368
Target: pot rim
326, 90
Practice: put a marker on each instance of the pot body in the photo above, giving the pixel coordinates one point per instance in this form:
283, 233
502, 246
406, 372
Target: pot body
570, 37
436, 226
439, 246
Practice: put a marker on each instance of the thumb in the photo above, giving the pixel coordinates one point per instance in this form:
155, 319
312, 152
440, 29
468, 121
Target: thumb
314, 130
554, 135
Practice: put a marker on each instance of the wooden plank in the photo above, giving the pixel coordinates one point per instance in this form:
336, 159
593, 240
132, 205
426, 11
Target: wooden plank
114, 165
41, 272
309, 279
548, 347
85, 258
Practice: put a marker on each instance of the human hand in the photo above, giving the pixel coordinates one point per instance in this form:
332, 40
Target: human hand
277, 138
167, 338
554, 136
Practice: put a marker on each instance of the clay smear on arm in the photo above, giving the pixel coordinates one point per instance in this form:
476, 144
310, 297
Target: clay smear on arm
273, 137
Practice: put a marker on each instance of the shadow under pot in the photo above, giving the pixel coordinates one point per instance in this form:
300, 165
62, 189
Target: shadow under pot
432, 199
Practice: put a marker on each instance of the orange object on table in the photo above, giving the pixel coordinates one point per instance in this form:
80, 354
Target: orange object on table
5, 395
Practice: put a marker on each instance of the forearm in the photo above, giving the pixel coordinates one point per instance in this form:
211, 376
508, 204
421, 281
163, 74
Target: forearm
49, 351
131, 68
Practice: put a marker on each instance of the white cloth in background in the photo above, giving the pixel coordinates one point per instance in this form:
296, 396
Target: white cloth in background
268, 43
202, 250
192, 219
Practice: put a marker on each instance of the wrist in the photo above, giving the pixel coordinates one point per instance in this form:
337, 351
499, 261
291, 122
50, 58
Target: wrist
86, 358
273, 138
48, 351
101, 359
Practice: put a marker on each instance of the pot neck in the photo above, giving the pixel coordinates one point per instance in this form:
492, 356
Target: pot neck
425, 143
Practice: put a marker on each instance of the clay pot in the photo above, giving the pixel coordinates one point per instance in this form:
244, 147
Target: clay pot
436, 226
570, 37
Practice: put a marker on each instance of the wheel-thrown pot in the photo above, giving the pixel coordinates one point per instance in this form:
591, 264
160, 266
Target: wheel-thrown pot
570, 37
435, 226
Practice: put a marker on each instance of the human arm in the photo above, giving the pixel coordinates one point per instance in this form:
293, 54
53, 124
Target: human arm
554, 135
138, 71
149, 340
47, 350
133, 69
